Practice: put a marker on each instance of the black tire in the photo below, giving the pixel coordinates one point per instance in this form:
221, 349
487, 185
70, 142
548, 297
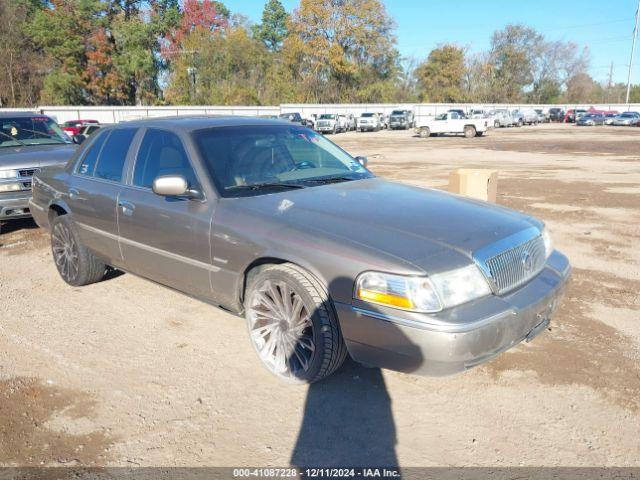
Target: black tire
469, 131
75, 263
479, 134
329, 350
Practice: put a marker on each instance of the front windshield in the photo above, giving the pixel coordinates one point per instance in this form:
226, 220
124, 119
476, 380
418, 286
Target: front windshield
397, 112
367, 115
327, 116
36, 130
272, 155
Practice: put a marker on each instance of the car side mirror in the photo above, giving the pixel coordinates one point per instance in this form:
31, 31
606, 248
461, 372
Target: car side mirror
362, 161
78, 138
173, 186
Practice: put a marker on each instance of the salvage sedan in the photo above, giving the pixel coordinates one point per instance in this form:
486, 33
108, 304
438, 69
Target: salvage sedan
272, 221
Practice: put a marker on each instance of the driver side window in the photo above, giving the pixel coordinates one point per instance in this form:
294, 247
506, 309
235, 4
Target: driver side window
161, 153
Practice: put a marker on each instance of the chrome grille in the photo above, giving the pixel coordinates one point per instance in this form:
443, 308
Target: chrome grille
516, 266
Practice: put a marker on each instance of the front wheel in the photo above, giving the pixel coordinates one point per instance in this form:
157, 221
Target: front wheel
425, 132
469, 131
292, 324
75, 263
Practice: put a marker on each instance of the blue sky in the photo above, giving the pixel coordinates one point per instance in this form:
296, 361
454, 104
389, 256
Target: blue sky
605, 26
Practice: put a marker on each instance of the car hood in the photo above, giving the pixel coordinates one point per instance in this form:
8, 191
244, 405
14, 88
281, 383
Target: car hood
403, 221
38, 156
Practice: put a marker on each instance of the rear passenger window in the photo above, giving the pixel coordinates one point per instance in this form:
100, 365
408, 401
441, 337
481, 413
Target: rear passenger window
114, 154
88, 163
161, 153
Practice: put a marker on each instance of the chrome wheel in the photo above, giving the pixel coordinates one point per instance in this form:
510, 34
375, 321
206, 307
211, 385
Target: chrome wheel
65, 251
281, 329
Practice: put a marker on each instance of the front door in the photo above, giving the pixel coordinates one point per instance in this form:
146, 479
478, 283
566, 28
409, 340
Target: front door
165, 239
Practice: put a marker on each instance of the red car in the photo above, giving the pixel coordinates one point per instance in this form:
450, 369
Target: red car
73, 127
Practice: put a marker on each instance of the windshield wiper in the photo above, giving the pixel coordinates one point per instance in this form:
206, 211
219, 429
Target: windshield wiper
14, 139
265, 185
330, 179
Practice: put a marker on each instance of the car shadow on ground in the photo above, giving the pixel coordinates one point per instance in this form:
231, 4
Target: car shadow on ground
347, 421
348, 418
18, 224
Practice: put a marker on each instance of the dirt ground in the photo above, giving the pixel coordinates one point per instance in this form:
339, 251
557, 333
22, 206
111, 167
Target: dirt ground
128, 373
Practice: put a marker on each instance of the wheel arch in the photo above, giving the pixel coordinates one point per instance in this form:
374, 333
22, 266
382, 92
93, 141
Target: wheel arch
253, 268
56, 209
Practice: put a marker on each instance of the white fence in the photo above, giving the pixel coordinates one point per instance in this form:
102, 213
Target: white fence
118, 114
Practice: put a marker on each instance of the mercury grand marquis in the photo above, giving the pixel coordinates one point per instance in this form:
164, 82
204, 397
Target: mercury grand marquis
271, 221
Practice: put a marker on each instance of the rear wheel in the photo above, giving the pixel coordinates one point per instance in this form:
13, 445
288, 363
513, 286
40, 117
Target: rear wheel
469, 131
479, 134
75, 263
496, 124
425, 132
292, 324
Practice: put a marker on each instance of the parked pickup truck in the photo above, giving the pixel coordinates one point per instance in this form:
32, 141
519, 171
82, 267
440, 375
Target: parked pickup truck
28, 142
331, 123
451, 122
273, 222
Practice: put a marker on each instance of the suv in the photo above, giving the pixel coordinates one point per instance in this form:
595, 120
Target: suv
556, 114
28, 142
273, 222
401, 119
369, 122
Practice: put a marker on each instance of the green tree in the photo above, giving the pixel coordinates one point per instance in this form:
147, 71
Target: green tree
441, 76
22, 66
63, 30
273, 29
513, 53
335, 48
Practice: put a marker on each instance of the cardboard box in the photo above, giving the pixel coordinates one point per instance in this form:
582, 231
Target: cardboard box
474, 182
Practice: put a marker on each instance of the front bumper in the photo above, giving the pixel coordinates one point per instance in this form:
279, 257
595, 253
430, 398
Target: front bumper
456, 339
14, 205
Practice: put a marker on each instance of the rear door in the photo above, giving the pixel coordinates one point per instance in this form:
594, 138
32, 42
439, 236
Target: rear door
165, 239
94, 188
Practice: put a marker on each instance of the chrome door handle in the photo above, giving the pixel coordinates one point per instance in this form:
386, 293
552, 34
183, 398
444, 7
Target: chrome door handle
73, 193
127, 207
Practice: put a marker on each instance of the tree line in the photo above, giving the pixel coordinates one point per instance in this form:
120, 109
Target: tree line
166, 52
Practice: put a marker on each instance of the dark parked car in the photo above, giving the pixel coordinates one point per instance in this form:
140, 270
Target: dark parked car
28, 142
274, 222
401, 120
293, 117
556, 114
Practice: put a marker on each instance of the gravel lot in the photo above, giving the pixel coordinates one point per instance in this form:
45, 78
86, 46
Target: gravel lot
129, 373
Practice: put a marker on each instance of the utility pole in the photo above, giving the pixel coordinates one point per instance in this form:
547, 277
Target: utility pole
633, 51
610, 84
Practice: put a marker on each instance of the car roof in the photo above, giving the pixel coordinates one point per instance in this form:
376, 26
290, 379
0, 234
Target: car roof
21, 114
198, 122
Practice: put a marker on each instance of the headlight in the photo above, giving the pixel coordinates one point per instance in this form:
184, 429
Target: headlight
9, 174
423, 294
548, 243
398, 291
